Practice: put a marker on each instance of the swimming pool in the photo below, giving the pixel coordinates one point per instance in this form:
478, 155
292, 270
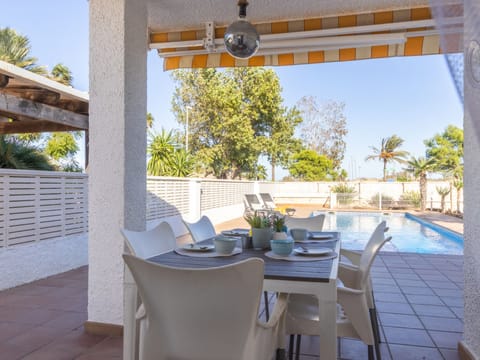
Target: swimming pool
409, 233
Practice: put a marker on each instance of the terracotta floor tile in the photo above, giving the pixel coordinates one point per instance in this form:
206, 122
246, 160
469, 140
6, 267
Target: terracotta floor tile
9, 330
68, 321
35, 338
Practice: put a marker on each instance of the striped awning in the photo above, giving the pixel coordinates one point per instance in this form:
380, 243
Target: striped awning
408, 32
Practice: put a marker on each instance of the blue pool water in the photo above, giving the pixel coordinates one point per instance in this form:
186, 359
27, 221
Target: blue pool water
409, 233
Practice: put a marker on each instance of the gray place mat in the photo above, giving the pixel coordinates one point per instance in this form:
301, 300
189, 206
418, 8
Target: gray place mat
293, 257
206, 254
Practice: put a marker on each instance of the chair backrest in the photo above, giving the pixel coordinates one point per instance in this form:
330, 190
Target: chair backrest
312, 223
252, 202
374, 244
201, 230
268, 201
197, 313
146, 244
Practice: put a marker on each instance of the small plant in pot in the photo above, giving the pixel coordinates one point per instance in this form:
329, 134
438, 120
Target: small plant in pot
278, 223
261, 230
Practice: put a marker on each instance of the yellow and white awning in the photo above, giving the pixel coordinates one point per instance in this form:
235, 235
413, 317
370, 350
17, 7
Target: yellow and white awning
407, 32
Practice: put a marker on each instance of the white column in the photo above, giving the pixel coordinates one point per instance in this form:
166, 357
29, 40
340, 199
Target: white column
195, 196
117, 169
471, 176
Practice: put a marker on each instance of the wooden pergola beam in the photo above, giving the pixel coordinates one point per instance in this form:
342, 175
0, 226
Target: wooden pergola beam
36, 126
16, 107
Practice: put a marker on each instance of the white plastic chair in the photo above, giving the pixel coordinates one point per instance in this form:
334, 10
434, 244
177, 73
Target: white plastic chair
312, 223
201, 230
355, 258
144, 244
205, 314
353, 318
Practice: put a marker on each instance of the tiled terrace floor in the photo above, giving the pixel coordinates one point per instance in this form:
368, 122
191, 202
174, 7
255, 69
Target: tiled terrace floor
419, 298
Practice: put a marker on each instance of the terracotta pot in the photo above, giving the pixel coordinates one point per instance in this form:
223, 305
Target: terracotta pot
261, 238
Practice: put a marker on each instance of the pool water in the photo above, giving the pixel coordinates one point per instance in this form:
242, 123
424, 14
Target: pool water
409, 234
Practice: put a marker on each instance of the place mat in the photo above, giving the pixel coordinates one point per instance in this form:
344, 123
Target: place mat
315, 241
293, 257
208, 254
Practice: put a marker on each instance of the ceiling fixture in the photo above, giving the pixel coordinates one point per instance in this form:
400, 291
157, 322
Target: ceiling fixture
241, 38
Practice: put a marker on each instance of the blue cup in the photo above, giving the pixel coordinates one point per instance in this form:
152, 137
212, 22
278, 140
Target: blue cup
282, 247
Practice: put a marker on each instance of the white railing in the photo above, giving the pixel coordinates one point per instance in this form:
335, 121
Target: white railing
39, 205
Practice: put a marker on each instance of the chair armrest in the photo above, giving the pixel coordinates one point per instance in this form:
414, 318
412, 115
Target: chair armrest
353, 256
278, 312
347, 275
140, 312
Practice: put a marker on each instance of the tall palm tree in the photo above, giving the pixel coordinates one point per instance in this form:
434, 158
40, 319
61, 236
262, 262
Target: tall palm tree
15, 49
388, 152
420, 167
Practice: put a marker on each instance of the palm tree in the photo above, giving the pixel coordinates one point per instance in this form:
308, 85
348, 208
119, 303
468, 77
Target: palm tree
420, 167
160, 149
15, 49
458, 184
15, 155
62, 74
181, 164
388, 152
443, 192
150, 120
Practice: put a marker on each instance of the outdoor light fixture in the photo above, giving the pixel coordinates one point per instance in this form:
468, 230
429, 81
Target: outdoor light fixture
241, 38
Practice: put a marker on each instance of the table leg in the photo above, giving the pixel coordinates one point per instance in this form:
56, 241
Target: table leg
327, 301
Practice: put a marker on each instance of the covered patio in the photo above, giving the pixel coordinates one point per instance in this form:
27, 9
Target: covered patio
118, 48
419, 298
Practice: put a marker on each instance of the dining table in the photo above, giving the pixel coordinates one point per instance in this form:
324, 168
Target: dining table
317, 278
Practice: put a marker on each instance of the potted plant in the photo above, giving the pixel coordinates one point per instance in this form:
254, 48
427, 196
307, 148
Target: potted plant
278, 223
261, 230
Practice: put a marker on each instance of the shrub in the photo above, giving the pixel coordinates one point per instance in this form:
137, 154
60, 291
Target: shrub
411, 197
345, 193
387, 200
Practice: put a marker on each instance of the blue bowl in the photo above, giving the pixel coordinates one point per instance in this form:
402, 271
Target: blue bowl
224, 245
282, 247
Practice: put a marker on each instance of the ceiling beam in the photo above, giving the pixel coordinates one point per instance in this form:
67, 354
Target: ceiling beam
35, 126
13, 106
3, 81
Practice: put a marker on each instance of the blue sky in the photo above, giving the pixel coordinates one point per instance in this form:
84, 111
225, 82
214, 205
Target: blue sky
413, 97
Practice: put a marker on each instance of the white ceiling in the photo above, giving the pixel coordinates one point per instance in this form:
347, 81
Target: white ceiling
171, 15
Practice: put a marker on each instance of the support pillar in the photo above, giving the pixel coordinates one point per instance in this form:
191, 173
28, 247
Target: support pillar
117, 168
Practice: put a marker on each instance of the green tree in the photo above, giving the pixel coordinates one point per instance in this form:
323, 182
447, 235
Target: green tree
15, 49
458, 185
420, 168
234, 117
324, 128
447, 150
62, 148
62, 74
150, 120
388, 152
15, 155
308, 165
165, 157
